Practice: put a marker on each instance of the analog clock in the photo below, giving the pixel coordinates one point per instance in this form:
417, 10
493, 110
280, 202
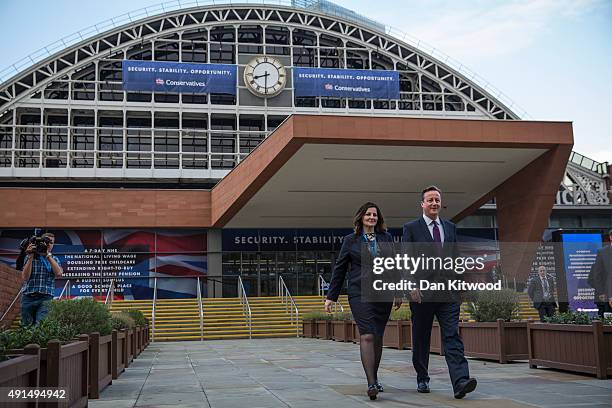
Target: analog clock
265, 76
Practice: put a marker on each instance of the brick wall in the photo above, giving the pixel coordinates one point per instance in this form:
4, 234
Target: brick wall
10, 283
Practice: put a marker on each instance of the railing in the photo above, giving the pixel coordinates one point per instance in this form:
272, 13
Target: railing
153, 309
199, 291
66, 290
11, 305
322, 284
290, 306
110, 294
246, 308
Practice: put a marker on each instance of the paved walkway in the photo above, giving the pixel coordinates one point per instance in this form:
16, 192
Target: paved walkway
322, 373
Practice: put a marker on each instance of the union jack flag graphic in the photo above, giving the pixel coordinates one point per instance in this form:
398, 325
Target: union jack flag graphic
159, 81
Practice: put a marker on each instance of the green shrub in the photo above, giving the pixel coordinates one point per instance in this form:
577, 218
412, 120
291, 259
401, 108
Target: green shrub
344, 316
138, 316
39, 334
569, 318
488, 306
85, 315
402, 314
122, 320
317, 315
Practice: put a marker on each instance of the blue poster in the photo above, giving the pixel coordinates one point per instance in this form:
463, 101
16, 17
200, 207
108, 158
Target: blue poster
158, 76
579, 253
346, 83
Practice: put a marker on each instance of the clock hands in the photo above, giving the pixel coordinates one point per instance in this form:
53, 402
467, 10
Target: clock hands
266, 75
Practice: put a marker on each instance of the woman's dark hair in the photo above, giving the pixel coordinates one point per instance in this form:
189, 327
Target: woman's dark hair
358, 219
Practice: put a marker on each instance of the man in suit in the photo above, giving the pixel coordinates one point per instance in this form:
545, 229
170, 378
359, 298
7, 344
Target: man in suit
432, 235
542, 292
600, 278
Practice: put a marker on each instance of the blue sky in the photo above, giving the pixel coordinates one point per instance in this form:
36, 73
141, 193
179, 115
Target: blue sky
551, 57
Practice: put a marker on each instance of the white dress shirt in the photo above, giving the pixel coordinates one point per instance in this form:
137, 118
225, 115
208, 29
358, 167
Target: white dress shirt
430, 225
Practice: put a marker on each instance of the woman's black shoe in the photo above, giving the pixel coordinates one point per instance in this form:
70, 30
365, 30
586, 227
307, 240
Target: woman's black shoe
379, 387
372, 391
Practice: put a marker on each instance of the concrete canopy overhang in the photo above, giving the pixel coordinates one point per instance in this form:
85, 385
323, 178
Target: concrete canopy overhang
315, 171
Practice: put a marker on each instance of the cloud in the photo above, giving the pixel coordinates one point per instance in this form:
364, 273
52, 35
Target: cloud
492, 29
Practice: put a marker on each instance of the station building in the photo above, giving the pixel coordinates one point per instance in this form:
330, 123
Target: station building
263, 182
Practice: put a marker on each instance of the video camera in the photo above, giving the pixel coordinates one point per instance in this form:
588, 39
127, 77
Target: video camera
41, 244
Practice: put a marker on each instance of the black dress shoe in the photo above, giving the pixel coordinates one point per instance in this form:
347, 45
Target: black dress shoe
465, 387
372, 391
423, 387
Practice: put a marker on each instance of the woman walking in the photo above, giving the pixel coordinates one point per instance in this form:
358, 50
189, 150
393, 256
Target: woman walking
371, 317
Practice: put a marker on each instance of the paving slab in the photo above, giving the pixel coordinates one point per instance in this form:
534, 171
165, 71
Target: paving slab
308, 373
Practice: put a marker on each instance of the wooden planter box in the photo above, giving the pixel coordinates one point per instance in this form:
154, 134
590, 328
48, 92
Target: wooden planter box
355, 332
21, 371
100, 363
138, 341
398, 334
341, 330
500, 341
579, 348
309, 328
323, 329
435, 344
130, 346
119, 351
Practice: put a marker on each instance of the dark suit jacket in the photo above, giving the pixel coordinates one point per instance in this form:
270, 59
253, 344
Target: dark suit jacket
350, 260
600, 277
536, 291
417, 233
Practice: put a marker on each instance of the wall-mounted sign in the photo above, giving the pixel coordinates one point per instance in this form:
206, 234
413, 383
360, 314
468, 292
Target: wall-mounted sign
346, 83
155, 76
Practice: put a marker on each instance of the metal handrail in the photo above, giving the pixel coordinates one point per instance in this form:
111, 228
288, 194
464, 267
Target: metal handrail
246, 308
287, 299
153, 309
12, 304
110, 293
322, 282
199, 291
66, 286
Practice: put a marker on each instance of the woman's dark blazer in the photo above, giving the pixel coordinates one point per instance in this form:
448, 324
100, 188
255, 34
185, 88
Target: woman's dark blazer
349, 260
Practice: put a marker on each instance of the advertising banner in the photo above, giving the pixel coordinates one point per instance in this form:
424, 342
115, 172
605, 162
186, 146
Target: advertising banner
155, 76
91, 258
579, 253
346, 83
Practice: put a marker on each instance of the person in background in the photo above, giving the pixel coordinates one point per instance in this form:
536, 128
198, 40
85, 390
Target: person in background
600, 278
39, 272
542, 292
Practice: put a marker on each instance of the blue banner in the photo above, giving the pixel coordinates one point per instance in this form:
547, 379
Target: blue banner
579, 253
155, 76
346, 83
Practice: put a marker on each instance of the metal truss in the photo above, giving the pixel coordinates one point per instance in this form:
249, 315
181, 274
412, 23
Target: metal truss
117, 40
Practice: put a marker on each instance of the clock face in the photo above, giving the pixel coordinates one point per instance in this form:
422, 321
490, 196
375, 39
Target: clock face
265, 76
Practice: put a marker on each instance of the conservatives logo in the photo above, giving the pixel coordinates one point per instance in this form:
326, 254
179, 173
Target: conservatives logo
329, 87
159, 81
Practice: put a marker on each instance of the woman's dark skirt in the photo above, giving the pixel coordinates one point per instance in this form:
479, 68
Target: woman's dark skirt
371, 317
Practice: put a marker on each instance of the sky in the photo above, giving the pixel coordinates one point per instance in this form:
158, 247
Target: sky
552, 58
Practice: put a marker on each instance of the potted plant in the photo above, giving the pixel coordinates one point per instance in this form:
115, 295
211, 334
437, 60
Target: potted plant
591, 339
89, 317
493, 335
63, 362
309, 325
398, 333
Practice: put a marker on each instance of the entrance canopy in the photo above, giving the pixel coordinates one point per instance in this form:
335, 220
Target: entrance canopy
315, 171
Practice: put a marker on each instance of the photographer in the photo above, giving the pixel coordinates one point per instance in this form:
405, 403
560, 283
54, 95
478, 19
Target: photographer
39, 272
